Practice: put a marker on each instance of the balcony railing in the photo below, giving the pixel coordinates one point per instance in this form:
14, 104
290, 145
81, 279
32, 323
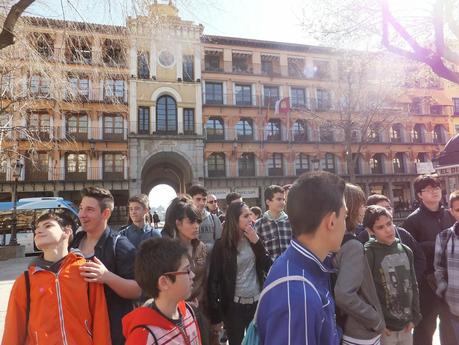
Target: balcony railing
62, 173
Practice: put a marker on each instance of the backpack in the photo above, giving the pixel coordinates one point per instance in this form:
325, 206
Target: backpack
341, 317
251, 336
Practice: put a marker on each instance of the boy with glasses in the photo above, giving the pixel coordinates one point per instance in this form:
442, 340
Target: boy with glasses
424, 224
163, 271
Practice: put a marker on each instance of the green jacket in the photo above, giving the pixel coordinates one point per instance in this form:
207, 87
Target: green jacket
395, 280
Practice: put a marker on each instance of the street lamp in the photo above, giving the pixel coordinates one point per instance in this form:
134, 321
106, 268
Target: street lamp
16, 174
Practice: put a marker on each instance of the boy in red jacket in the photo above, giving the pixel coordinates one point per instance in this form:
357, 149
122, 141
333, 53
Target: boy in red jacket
163, 272
56, 306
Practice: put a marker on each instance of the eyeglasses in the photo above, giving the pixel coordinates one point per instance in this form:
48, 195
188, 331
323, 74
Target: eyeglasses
178, 273
212, 201
431, 189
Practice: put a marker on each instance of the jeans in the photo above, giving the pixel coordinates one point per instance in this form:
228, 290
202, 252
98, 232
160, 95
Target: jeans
237, 319
397, 338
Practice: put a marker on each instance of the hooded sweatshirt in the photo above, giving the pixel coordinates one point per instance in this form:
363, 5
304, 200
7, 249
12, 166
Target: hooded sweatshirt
275, 233
64, 309
395, 280
146, 325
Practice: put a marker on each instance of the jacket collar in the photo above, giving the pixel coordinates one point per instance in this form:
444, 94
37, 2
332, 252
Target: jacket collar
306, 254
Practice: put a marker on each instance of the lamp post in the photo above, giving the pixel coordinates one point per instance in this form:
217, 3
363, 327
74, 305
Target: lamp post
16, 174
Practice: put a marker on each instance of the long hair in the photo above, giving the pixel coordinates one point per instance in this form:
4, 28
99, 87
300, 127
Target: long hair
231, 233
180, 208
355, 198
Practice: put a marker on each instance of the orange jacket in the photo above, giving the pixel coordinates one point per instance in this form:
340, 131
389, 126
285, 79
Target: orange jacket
64, 309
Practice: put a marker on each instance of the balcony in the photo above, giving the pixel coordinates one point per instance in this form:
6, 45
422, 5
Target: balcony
60, 173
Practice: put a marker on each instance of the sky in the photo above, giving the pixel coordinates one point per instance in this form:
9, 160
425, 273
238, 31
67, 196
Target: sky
257, 19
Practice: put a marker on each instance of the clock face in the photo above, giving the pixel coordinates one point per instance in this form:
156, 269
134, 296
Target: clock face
166, 59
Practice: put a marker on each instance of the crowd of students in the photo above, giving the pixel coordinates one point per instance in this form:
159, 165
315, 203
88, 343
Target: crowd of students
335, 268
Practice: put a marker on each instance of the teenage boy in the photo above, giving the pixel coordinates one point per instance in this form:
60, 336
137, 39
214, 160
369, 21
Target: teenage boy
274, 227
139, 230
110, 257
447, 270
211, 227
163, 271
424, 224
394, 276
403, 235
303, 312
51, 302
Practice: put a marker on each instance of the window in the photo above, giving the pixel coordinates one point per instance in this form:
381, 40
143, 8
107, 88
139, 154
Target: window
77, 126
329, 163
44, 44
244, 129
113, 166
246, 164
398, 162
40, 124
143, 114
166, 115
76, 166
266, 67
37, 166
298, 97
321, 69
439, 135
78, 50
373, 135
39, 86
113, 52
456, 106
79, 88
214, 93
302, 164
273, 130
216, 165
188, 68
241, 63
276, 165
326, 133
416, 106
436, 109
271, 95
114, 90
215, 129
376, 164
113, 127
6, 85
143, 65
356, 161
422, 158
396, 133
212, 61
295, 67
243, 94
323, 100
188, 121
300, 131
417, 135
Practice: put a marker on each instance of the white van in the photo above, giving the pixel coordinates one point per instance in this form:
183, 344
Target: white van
28, 211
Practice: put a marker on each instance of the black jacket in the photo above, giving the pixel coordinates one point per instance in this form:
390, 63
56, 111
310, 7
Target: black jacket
408, 240
222, 277
424, 225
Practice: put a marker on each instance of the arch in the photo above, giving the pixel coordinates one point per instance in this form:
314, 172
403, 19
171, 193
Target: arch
166, 91
170, 168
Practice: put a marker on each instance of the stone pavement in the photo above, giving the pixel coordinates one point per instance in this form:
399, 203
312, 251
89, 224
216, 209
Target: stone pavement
10, 269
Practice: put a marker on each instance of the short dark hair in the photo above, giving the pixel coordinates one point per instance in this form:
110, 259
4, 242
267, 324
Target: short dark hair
102, 195
424, 181
372, 214
271, 190
63, 221
142, 199
376, 199
312, 196
155, 257
256, 210
454, 196
230, 197
197, 189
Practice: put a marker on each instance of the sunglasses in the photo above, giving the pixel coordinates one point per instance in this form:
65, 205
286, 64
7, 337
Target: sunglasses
212, 201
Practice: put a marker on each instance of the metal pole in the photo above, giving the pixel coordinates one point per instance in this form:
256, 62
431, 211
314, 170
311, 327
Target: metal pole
13, 238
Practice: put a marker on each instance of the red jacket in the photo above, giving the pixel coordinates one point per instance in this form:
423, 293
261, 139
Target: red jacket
140, 325
64, 309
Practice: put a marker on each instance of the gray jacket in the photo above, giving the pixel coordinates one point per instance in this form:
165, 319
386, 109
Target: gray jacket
210, 229
355, 293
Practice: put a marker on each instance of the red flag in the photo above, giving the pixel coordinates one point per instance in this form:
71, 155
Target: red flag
283, 105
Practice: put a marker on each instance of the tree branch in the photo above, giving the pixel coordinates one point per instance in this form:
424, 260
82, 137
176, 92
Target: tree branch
7, 34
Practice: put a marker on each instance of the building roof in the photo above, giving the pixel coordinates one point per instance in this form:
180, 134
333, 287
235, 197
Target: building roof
236, 41
450, 154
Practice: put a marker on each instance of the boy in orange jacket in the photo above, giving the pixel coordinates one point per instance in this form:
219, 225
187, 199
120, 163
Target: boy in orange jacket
51, 303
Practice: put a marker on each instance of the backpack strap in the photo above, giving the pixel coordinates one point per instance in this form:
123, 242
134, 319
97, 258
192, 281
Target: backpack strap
27, 286
278, 282
149, 331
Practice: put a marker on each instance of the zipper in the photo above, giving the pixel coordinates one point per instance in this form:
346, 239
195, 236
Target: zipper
87, 328
61, 311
